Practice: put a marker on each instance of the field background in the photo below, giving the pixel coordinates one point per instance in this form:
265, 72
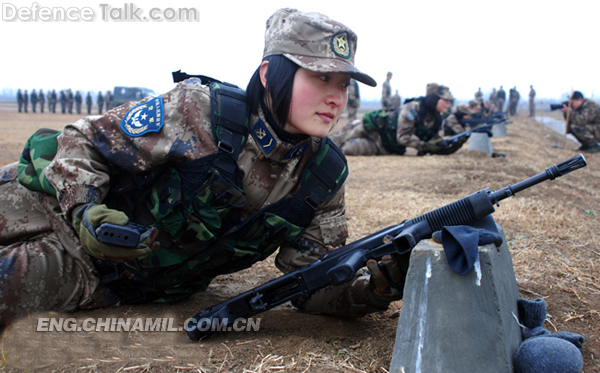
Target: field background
553, 235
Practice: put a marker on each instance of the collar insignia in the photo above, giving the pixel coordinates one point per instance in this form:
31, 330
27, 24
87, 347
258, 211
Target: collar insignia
144, 118
297, 151
263, 136
340, 43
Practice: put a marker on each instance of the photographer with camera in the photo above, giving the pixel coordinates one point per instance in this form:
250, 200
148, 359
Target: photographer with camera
583, 121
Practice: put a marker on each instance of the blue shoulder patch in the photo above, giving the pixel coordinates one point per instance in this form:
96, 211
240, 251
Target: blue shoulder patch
144, 118
263, 136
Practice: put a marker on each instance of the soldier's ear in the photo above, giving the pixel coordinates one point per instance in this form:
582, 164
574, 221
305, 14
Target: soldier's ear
263, 73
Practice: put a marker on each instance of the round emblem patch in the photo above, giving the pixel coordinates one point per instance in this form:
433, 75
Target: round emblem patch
340, 43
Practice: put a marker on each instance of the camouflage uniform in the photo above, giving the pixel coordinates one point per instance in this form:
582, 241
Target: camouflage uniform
25, 100
34, 100
396, 101
70, 101
20, 100
584, 123
513, 101
78, 102
531, 102
100, 102
42, 263
386, 94
353, 100
384, 132
479, 96
63, 101
451, 124
500, 99
42, 99
88, 102
52, 101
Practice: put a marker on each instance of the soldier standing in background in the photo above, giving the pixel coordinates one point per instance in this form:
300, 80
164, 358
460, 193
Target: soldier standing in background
20, 99
78, 102
479, 96
531, 102
500, 99
513, 101
52, 98
109, 100
34, 100
88, 102
42, 99
70, 101
100, 102
396, 101
25, 100
353, 100
386, 93
63, 101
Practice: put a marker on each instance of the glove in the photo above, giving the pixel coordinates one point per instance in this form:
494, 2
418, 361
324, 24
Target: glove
432, 147
90, 216
453, 147
387, 281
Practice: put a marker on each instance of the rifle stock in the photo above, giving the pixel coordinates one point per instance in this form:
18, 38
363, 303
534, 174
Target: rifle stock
340, 266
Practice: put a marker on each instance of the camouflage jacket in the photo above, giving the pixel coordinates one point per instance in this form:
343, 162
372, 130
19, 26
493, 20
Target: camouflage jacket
89, 150
588, 113
413, 130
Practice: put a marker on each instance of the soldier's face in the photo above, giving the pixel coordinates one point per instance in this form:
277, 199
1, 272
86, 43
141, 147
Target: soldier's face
318, 101
576, 104
443, 105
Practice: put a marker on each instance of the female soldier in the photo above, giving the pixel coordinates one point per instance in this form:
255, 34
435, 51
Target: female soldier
416, 125
218, 198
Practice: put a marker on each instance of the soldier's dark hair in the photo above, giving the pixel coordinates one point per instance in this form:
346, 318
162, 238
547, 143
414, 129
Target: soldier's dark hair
280, 79
577, 95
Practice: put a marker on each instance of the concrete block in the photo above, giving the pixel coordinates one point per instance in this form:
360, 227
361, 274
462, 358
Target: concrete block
499, 130
452, 323
480, 142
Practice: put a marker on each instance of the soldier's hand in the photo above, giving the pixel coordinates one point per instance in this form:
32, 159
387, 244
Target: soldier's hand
432, 146
88, 217
387, 281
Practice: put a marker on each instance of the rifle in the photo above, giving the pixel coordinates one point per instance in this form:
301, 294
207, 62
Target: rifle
482, 125
340, 266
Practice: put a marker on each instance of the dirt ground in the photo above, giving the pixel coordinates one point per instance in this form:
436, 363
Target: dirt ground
552, 231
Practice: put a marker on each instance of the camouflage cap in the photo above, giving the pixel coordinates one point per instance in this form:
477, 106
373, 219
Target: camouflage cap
441, 90
463, 109
314, 42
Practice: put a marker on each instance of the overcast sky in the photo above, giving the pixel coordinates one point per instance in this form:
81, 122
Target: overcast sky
459, 43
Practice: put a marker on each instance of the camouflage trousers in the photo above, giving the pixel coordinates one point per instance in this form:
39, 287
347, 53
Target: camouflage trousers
587, 134
42, 264
354, 139
531, 109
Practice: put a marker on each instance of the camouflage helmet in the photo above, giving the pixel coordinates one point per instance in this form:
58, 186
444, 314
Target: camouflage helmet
440, 90
314, 42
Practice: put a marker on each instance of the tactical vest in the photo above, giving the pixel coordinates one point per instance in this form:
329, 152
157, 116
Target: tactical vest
197, 207
385, 122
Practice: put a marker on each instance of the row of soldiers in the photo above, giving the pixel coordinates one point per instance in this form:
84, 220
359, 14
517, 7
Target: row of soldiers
65, 98
498, 98
420, 123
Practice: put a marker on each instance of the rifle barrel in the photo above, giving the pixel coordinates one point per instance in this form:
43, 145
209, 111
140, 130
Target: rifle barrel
551, 173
